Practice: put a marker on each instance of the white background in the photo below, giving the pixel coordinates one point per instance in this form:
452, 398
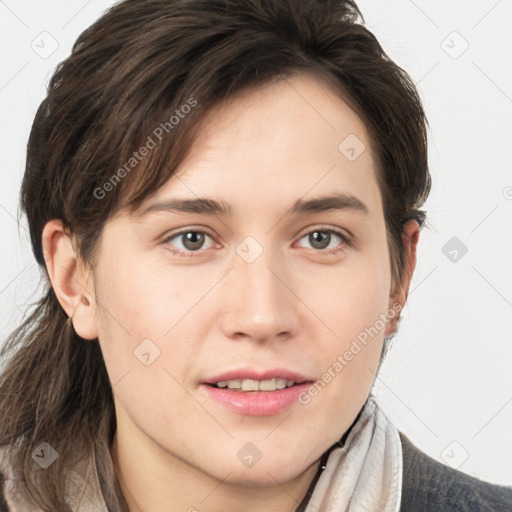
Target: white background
447, 382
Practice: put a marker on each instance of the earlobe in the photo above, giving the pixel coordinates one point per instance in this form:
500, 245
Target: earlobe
398, 298
69, 279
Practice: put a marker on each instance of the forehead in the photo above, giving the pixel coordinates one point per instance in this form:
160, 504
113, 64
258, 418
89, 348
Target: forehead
270, 146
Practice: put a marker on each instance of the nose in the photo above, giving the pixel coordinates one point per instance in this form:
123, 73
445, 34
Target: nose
259, 303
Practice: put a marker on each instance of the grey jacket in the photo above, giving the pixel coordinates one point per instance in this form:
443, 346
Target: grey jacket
427, 486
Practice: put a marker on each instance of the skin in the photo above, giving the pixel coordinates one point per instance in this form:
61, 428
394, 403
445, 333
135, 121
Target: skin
211, 311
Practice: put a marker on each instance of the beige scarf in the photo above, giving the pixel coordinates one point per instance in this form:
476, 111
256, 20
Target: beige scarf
365, 475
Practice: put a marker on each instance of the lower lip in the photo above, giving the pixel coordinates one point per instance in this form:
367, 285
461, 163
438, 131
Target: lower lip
257, 403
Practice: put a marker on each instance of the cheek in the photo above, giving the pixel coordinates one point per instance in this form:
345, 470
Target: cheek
128, 315
354, 308
352, 305
142, 299
142, 308
352, 298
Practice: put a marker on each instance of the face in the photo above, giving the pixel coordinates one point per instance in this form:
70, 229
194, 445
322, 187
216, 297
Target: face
272, 283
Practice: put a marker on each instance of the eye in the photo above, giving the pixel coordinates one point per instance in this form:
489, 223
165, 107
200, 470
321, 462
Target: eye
328, 240
186, 242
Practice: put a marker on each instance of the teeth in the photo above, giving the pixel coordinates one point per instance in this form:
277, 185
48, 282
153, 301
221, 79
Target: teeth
256, 385
280, 383
234, 384
250, 385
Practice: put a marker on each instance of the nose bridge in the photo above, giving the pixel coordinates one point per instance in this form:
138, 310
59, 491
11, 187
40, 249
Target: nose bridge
252, 268
258, 304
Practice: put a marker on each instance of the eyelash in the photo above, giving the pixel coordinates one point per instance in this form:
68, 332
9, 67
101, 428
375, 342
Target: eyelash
346, 242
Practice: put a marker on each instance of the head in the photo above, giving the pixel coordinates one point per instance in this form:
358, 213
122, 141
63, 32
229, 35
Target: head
264, 110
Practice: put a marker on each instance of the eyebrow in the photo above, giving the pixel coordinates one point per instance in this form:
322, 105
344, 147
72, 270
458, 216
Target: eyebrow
207, 206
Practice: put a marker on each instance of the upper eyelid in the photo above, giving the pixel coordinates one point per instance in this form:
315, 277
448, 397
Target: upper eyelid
339, 231
188, 230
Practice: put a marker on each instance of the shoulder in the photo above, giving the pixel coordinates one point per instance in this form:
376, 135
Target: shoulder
13, 497
428, 485
82, 488
13, 493
3, 481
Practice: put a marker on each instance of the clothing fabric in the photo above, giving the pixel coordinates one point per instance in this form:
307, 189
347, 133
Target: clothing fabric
83, 492
429, 486
375, 468
365, 473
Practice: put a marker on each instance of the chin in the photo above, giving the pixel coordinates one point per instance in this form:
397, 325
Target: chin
264, 473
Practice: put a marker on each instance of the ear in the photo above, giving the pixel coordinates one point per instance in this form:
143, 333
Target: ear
399, 294
70, 280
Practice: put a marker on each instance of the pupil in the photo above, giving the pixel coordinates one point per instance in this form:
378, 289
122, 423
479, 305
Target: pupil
193, 240
324, 237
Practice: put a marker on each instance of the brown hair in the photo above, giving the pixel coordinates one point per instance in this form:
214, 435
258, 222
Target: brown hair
140, 64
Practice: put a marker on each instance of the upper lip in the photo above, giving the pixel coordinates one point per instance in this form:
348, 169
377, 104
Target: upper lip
249, 373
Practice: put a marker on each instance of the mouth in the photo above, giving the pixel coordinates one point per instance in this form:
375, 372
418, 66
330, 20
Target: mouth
257, 393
